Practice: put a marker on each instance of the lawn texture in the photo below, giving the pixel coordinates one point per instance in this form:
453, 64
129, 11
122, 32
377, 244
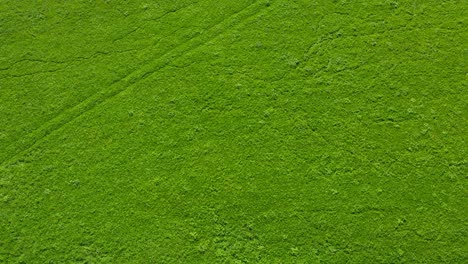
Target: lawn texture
242, 131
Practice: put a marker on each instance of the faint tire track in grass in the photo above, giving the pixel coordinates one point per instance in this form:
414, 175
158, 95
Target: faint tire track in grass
12, 151
48, 68
10, 147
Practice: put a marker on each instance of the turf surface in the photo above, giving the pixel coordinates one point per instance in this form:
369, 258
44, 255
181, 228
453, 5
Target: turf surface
233, 131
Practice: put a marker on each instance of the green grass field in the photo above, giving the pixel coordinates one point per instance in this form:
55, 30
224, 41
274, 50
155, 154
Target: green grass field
280, 131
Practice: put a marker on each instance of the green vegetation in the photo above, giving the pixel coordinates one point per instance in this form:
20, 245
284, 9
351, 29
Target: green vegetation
280, 131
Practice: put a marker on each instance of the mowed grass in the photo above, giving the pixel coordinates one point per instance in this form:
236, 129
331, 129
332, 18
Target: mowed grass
233, 131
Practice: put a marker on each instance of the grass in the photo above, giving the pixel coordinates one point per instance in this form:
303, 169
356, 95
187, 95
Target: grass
233, 131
